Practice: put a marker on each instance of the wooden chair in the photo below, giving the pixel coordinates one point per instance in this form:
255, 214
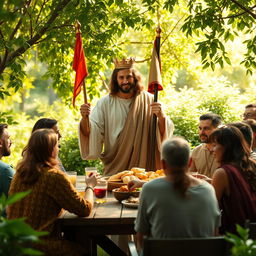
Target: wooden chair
252, 230
212, 246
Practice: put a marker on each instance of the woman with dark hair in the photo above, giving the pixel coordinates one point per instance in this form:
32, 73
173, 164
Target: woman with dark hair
235, 180
49, 124
51, 191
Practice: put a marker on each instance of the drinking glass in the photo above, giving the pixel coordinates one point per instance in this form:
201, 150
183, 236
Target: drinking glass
72, 177
100, 191
90, 170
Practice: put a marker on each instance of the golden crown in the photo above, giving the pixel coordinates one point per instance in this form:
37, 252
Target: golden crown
124, 63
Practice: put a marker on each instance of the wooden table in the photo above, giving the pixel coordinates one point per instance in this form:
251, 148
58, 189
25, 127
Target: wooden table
110, 218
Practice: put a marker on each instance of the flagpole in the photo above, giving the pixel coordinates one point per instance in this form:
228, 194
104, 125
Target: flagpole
87, 123
154, 122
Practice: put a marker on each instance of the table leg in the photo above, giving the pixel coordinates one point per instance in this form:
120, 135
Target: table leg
108, 245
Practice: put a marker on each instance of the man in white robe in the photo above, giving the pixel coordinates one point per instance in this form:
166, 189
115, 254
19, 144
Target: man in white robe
120, 124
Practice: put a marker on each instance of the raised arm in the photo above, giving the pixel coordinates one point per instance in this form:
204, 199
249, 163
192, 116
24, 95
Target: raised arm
85, 111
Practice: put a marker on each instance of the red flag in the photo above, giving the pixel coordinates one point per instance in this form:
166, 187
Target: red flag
79, 65
155, 68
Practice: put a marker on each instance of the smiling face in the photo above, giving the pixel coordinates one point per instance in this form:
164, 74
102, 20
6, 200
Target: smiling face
125, 81
205, 129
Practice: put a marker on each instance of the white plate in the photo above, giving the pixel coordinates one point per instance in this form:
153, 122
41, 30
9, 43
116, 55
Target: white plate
131, 205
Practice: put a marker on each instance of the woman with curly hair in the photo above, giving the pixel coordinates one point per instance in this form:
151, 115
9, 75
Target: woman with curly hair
235, 180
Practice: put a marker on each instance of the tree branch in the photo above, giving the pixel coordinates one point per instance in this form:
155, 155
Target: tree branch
20, 21
40, 33
173, 29
39, 14
61, 26
238, 14
244, 8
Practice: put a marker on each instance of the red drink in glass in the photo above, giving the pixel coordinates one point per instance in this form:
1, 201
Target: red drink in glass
100, 192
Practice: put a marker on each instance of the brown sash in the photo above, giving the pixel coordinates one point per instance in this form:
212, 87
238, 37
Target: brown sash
132, 146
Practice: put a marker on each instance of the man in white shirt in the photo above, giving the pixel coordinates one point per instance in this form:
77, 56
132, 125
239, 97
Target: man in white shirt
120, 123
202, 159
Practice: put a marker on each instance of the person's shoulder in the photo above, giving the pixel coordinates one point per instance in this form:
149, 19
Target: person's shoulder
154, 183
6, 168
105, 99
146, 94
198, 148
204, 188
54, 172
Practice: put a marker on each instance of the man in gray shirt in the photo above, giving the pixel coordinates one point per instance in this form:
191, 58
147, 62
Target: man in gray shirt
178, 205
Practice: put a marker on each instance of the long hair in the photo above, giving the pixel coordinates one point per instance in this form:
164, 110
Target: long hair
44, 123
175, 153
236, 151
38, 155
114, 89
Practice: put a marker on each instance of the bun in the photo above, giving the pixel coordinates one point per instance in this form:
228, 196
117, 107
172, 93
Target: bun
126, 179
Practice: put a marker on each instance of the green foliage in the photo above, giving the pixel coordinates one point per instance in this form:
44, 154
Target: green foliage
71, 159
242, 245
186, 105
48, 28
15, 234
7, 118
215, 23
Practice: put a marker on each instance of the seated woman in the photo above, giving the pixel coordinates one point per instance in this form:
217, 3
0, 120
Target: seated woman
51, 191
235, 180
177, 205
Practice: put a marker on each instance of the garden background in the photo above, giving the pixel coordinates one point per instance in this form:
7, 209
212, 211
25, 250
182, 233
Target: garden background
208, 61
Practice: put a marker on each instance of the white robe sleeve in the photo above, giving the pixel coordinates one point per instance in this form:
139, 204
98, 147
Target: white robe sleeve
169, 128
91, 147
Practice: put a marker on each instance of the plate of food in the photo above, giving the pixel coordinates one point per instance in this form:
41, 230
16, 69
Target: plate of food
131, 202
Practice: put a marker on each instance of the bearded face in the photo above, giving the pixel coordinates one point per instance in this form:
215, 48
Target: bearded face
6, 143
205, 129
125, 81
6, 149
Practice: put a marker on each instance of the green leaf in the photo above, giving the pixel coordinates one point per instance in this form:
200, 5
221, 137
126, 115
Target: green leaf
16, 197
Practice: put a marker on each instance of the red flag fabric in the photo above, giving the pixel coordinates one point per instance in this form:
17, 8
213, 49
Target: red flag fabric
155, 70
79, 65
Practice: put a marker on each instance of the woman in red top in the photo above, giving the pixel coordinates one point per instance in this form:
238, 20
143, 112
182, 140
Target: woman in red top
235, 180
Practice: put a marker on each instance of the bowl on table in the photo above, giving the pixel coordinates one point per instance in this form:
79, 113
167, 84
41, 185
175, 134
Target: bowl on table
122, 195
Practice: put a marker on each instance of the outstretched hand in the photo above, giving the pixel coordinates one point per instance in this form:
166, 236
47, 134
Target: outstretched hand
133, 184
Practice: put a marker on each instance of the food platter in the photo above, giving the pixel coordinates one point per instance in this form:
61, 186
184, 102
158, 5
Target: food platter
130, 205
114, 184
